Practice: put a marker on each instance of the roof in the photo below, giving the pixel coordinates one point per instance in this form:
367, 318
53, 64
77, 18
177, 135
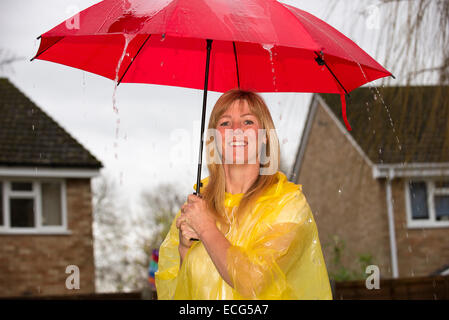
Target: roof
398, 124
30, 137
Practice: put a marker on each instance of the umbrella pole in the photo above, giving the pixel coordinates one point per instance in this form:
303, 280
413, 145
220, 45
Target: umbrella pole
203, 119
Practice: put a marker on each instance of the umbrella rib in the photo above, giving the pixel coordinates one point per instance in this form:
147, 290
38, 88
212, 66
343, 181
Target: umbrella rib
37, 55
321, 62
236, 64
129, 65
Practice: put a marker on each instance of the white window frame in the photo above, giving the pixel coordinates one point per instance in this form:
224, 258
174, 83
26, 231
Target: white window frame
36, 194
431, 222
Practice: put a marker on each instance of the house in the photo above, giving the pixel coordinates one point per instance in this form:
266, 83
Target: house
383, 187
45, 203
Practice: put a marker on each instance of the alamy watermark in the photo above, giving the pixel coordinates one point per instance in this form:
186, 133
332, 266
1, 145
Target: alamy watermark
373, 280
73, 280
228, 147
373, 17
74, 21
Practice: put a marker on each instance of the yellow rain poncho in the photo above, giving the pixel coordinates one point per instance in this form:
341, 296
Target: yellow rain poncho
275, 253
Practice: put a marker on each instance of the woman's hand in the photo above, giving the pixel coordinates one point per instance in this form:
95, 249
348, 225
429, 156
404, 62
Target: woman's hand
185, 233
197, 216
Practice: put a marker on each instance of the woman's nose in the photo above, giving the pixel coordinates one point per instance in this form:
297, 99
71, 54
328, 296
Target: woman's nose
237, 129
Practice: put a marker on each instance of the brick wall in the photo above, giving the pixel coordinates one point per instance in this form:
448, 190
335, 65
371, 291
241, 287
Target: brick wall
345, 199
420, 251
36, 264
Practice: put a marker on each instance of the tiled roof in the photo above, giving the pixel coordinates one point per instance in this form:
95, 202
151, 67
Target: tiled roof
30, 137
398, 124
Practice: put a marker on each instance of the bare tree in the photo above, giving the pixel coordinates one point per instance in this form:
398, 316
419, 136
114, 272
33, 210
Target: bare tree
158, 208
413, 37
110, 242
7, 58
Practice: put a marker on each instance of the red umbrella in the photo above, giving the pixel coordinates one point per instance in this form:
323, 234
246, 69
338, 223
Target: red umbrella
217, 45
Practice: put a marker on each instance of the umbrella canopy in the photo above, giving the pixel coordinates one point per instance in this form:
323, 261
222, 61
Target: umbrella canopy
263, 45
260, 45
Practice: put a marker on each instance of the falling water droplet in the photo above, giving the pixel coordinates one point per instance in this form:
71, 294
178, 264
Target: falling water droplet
269, 48
410, 249
339, 191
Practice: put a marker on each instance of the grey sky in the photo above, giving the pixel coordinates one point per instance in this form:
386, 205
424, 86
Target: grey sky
149, 115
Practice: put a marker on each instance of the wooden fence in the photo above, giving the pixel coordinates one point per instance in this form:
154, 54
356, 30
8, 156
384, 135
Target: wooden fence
417, 288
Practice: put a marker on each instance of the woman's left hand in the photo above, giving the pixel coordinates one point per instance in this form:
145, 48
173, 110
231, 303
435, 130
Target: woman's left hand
197, 215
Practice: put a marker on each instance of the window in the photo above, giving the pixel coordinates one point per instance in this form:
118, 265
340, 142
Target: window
427, 203
32, 206
21, 202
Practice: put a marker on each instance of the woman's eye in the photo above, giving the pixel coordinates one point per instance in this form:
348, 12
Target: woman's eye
223, 124
249, 122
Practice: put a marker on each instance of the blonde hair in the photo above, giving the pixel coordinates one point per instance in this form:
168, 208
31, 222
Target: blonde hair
214, 192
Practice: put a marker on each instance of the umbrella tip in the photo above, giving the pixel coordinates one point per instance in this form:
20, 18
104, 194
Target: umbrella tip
392, 75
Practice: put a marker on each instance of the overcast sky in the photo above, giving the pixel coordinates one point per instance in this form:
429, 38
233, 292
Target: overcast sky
150, 117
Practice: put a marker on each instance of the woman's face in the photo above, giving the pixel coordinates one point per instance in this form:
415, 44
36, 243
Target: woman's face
239, 132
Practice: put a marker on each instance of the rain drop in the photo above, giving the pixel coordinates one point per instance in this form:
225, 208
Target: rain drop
409, 249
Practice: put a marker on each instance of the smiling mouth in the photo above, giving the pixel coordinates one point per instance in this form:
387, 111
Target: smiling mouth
238, 143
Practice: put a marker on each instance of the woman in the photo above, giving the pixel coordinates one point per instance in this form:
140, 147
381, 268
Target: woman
257, 236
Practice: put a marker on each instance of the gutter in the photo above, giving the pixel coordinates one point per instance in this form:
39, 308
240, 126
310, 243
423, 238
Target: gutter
410, 170
391, 229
